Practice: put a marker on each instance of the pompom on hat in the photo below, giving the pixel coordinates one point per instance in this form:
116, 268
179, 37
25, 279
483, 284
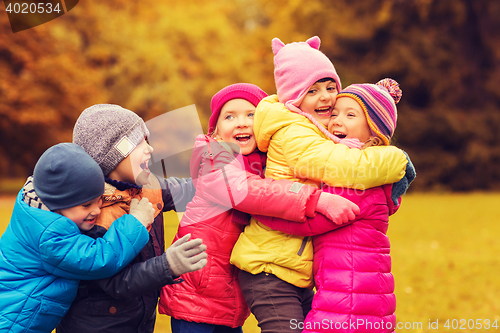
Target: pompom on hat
297, 66
109, 133
247, 91
378, 102
66, 176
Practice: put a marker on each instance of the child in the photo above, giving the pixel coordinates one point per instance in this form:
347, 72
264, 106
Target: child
116, 140
352, 264
210, 300
291, 128
43, 254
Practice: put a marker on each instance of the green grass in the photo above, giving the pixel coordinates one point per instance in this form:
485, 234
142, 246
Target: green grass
445, 256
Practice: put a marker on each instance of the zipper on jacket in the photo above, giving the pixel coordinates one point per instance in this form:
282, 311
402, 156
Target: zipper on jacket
303, 246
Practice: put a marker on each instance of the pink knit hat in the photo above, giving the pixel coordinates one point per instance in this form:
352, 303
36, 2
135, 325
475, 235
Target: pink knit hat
297, 66
247, 91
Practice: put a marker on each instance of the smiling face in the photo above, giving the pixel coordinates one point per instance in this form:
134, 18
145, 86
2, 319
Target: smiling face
134, 168
84, 215
235, 125
348, 120
319, 100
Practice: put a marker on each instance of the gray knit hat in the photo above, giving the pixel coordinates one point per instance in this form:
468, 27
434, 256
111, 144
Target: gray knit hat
109, 133
66, 176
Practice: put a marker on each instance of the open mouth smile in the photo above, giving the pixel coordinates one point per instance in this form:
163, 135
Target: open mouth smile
243, 138
91, 221
339, 135
324, 111
145, 167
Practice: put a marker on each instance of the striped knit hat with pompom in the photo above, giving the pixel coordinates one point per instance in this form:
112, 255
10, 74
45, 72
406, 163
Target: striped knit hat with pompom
378, 102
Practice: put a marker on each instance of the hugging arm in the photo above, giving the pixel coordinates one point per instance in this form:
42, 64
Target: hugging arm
311, 227
312, 156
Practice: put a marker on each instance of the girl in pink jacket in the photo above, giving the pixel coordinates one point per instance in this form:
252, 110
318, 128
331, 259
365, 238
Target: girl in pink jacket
352, 263
227, 171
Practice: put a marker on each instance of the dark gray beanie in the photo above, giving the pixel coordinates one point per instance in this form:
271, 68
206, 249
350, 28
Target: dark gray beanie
109, 133
66, 176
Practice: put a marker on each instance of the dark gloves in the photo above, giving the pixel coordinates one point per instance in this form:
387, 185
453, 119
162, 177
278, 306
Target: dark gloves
399, 188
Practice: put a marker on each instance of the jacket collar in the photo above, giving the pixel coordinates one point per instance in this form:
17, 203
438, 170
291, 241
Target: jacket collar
121, 186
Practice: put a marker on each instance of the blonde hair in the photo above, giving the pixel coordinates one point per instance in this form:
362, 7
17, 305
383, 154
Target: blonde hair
373, 141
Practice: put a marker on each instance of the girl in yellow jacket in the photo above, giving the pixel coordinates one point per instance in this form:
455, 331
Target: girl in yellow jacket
276, 268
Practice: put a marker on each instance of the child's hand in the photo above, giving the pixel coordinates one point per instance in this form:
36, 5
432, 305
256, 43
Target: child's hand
336, 208
186, 255
143, 211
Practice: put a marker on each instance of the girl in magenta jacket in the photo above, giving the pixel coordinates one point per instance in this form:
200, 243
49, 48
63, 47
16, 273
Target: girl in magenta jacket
228, 186
352, 263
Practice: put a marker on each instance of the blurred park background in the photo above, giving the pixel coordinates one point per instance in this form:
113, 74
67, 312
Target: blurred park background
156, 56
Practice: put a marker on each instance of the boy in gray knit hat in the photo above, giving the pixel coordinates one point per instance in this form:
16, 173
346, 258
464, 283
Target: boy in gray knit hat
116, 138
43, 253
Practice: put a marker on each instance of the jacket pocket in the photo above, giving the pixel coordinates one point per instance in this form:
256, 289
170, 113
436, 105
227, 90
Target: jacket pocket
200, 277
113, 307
302, 246
48, 315
216, 279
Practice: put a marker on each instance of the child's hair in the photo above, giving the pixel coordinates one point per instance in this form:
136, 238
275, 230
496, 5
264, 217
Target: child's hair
247, 91
109, 133
378, 102
66, 176
373, 141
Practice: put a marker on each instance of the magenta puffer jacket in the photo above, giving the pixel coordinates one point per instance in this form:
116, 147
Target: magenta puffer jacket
352, 265
212, 295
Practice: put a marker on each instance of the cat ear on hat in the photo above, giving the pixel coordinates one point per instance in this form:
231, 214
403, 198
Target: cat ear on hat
277, 45
314, 42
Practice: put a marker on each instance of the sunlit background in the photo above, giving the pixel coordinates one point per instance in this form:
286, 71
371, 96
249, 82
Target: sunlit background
157, 56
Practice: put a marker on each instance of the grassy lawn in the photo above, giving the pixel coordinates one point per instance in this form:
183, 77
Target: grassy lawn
445, 261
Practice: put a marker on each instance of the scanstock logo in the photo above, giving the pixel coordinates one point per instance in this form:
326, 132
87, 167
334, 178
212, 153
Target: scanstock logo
172, 136
26, 14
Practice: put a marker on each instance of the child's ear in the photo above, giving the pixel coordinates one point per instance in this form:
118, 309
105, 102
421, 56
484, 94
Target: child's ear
277, 45
314, 42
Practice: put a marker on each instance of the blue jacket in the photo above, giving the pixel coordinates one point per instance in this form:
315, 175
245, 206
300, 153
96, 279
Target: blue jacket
43, 256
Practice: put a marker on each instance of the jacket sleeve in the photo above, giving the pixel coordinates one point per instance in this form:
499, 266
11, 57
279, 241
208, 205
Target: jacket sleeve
311, 227
231, 186
139, 279
65, 252
312, 156
177, 193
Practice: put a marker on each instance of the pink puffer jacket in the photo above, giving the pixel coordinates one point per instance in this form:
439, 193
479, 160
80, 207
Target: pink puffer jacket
212, 295
352, 265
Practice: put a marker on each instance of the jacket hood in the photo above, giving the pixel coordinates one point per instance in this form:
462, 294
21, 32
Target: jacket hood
270, 117
201, 149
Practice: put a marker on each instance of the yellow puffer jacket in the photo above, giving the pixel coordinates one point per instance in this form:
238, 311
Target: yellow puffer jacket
299, 151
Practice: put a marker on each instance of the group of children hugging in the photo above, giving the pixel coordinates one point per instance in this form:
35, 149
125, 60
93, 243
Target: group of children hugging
288, 193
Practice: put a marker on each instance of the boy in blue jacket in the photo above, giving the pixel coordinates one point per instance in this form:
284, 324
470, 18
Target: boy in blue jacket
43, 253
